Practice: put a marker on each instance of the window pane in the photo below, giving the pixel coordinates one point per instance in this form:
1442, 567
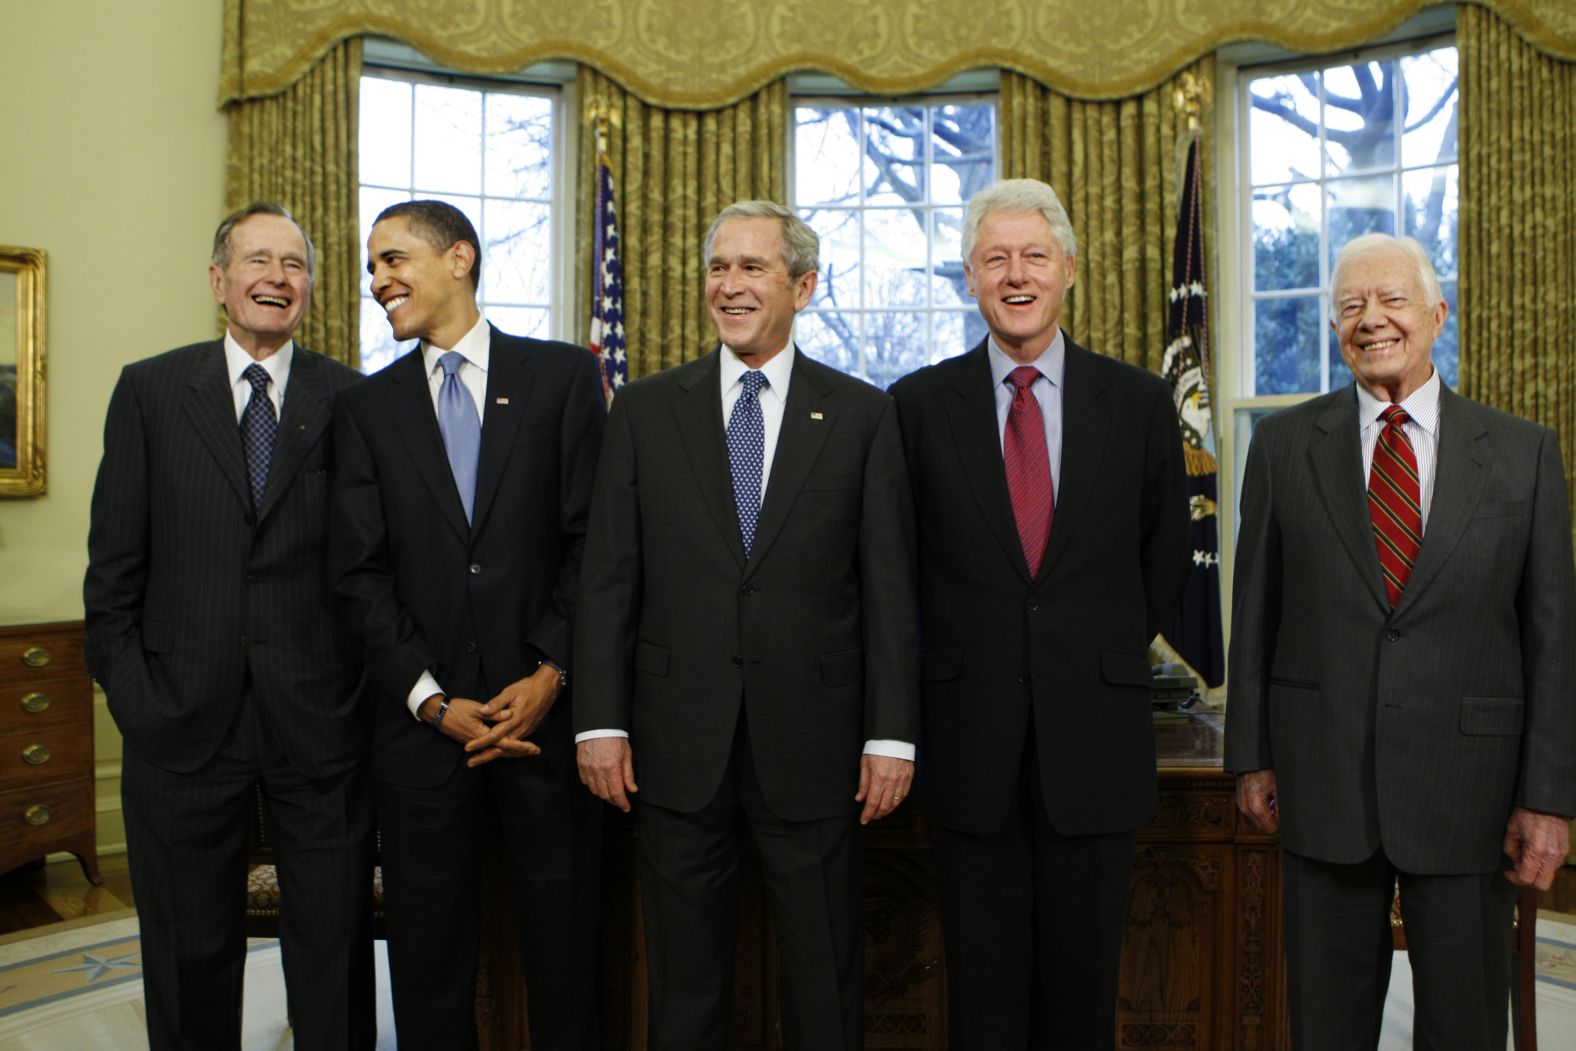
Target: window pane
948, 286
517, 267
378, 347
963, 145
826, 155
1286, 333
1431, 96
373, 201
1447, 348
1284, 128
896, 343
384, 141
894, 155
831, 338
1430, 203
838, 284
520, 321
1359, 115
895, 255
1359, 206
448, 142
519, 146
1286, 237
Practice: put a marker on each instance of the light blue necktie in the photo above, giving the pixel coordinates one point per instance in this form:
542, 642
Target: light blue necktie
747, 454
461, 428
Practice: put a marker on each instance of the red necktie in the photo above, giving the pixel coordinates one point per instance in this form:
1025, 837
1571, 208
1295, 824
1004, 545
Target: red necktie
1395, 503
1028, 467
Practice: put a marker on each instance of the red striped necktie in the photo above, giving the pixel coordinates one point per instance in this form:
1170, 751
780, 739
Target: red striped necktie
1028, 467
1395, 502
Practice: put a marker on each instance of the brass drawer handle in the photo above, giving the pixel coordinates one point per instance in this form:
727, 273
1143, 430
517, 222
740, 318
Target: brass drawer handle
35, 656
35, 702
37, 814
36, 754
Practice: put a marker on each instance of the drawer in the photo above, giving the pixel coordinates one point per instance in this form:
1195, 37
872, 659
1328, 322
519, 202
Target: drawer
45, 753
52, 701
41, 652
44, 815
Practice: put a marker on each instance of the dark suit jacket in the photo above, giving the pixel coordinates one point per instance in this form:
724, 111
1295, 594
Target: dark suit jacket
191, 599
1417, 730
478, 604
1070, 645
814, 635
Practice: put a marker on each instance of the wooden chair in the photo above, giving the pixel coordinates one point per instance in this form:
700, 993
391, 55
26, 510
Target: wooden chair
262, 881
1523, 948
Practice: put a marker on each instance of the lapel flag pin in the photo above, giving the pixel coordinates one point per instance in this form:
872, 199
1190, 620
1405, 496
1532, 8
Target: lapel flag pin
816, 416
501, 401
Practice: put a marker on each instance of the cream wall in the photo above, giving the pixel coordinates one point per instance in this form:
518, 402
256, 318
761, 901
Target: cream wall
113, 163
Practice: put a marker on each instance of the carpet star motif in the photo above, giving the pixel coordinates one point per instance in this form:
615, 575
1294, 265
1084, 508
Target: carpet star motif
95, 967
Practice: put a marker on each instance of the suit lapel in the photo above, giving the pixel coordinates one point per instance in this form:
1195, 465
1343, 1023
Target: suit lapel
301, 423
509, 379
1086, 420
210, 405
1335, 459
1460, 473
808, 419
978, 442
698, 412
410, 405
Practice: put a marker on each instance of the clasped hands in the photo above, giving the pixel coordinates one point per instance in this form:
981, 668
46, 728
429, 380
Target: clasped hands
499, 728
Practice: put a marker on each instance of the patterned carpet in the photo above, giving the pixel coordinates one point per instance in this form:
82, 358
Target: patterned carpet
77, 985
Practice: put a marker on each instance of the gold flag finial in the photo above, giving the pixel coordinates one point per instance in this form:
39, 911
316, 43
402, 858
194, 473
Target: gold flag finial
1190, 96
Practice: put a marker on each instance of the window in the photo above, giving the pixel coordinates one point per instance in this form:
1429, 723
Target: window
490, 149
1313, 154
885, 186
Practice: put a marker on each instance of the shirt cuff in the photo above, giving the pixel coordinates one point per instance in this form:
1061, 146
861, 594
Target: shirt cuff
592, 735
425, 687
891, 749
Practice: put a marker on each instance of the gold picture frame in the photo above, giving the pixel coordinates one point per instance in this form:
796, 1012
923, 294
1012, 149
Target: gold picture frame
22, 287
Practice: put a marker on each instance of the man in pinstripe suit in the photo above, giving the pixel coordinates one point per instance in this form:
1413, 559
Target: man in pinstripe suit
1401, 690
209, 626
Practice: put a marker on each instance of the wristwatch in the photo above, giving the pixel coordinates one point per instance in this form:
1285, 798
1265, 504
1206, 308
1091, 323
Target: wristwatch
563, 676
437, 716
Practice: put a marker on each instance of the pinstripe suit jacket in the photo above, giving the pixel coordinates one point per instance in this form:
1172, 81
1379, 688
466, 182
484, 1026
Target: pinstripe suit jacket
191, 598
1419, 729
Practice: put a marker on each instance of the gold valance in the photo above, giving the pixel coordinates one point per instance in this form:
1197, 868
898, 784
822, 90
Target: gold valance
702, 54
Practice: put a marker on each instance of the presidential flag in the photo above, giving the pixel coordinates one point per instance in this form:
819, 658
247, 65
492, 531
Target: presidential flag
1195, 628
607, 285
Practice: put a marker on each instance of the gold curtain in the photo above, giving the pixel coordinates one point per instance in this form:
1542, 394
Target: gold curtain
678, 53
673, 171
299, 148
1517, 298
1115, 166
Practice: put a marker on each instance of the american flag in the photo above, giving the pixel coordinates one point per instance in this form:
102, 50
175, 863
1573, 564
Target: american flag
1195, 628
607, 283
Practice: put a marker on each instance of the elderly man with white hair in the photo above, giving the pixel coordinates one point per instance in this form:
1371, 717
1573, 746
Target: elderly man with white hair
1401, 705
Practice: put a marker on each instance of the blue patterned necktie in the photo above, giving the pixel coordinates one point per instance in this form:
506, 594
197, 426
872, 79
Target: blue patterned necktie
461, 428
747, 454
259, 426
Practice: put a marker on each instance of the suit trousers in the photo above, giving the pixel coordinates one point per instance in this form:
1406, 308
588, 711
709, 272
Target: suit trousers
1032, 922
813, 875
1339, 953
186, 846
549, 831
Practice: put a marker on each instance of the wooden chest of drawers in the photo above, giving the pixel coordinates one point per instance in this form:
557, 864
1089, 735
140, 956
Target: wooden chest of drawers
46, 746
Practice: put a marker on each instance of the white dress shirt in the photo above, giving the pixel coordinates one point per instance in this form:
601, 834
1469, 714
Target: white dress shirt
1422, 430
476, 347
774, 400
277, 365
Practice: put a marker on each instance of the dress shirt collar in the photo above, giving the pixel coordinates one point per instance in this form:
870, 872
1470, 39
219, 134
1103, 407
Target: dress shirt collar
1052, 363
277, 364
779, 370
1422, 406
475, 347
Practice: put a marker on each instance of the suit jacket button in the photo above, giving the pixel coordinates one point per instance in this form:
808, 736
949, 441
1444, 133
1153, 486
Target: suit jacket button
476, 567
470, 647
1034, 605
738, 662
746, 591
1392, 635
1023, 680
251, 580
245, 641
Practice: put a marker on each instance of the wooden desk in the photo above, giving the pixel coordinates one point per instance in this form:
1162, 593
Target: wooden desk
1201, 964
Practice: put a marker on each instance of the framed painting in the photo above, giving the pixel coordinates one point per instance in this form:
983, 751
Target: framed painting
21, 371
